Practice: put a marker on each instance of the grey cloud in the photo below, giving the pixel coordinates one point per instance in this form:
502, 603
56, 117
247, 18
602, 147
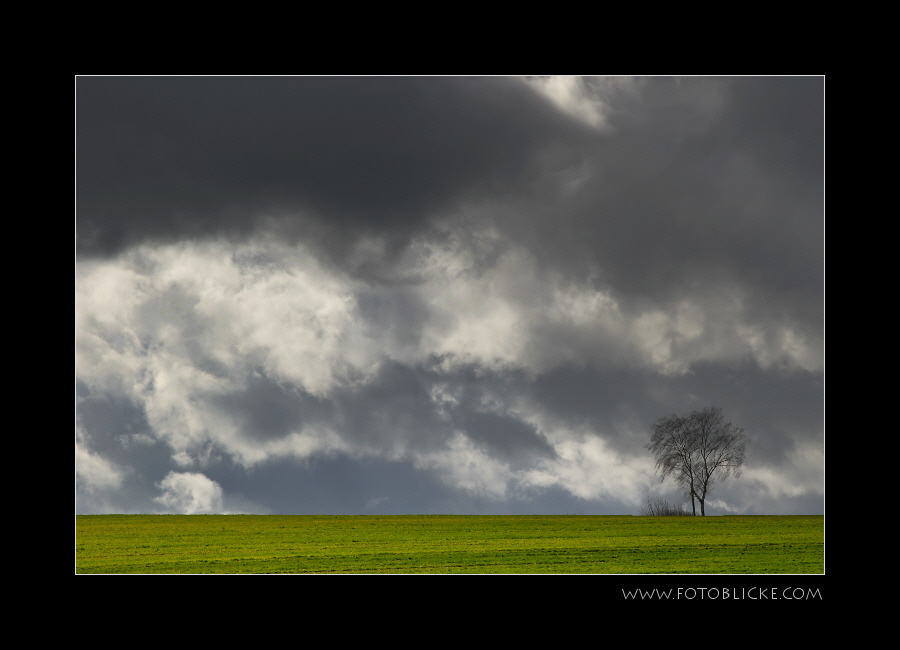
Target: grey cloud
392, 412
339, 485
507, 438
168, 157
700, 179
268, 410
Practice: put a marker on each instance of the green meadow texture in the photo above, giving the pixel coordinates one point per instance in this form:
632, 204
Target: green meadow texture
231, 544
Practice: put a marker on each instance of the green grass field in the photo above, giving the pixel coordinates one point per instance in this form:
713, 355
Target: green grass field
449, 544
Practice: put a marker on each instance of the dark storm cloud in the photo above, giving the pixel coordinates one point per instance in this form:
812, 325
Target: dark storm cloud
168, 157
269, 410
701, 178
111, 418
116, 429
505, 437
344, 486
770, 404
392, 411
781, 409
416, 408
603, 399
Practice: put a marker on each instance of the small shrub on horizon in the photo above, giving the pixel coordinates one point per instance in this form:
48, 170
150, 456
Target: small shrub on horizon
660, 508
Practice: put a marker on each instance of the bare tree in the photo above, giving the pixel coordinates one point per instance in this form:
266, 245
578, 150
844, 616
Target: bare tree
697, 450
720, 448
672, 444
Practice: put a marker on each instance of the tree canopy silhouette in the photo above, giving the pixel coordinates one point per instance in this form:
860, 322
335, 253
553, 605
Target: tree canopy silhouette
697, 450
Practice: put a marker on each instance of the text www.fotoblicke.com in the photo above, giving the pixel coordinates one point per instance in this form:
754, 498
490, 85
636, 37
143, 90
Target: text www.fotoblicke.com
724, 593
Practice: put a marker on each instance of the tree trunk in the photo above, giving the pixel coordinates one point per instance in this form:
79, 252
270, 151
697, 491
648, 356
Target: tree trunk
702, 507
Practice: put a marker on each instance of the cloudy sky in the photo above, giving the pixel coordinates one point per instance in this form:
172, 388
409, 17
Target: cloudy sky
464, 295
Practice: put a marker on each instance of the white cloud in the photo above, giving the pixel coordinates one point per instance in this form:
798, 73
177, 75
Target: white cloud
176, 329
803, 467
583, 463
781, 345
376, 503
466, 466
584, 98
95, 473
190, 493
